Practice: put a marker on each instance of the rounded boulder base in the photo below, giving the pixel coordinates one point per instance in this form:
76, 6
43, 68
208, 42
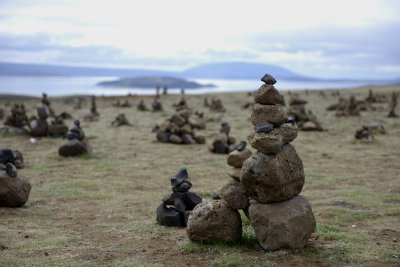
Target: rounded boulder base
14, 191
286, 224
73, 148
236, 157
271, 142
274, 114
213, 222
268, 95
268, 178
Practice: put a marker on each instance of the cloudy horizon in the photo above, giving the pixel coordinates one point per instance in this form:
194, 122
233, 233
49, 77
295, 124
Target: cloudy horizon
335, 39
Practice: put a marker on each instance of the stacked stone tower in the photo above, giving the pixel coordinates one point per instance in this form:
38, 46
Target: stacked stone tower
273, 177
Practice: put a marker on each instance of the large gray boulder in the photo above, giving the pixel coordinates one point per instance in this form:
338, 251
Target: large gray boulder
286, 224
236, 157
268, 95
213, 222
272, 177
14, 191
274, 114
271, 142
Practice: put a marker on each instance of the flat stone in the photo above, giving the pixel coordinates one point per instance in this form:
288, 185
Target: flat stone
268, 79
73, 148
235, 196
187, 139
274, 114
268, 95
235, 173
271, 143
310, 126
274, 177
236, 157
264, 127
14, 191
285, 224
297, 101
175, 139
214, 221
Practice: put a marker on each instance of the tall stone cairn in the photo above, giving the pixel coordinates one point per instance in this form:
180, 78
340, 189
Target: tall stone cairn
273, 177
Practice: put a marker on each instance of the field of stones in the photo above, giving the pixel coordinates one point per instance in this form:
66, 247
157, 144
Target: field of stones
100, 208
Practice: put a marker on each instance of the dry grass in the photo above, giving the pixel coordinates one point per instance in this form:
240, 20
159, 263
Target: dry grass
100, 210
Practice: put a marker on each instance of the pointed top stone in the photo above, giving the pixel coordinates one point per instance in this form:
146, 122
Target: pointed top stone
268, 79
11, 170
181, 176
264, 127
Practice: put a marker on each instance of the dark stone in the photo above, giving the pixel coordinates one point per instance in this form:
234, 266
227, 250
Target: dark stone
73, 148
264, 127
182, 187
187, 139
169, 216
179, 205
241, 146
6, 156
189, 198
291, 120
268, 79
14, 191
163, 137
11, 170
178, 178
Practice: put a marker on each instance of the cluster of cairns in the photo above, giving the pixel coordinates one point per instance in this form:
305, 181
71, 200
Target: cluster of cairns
348, 107
176, 208
76, 143
215, 105
39, 126
223, 142
375, 98
93, 115
306, 121
366, 134
271, 179
14, 188
120, 120
179, 129
124, 104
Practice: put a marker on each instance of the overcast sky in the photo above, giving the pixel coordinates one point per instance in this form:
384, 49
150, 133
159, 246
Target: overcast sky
332, 38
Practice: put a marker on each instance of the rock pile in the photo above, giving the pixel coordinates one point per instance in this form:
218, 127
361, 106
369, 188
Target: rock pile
393, 105
364, 135
176, 208
348, 107
142, 106
14, 188
93, 115
18, 117
375, 98
11, 156
181, 105
216, 105
223, 143
120, 120
179, 129
306, 121
274, 176
157, 105
76, 143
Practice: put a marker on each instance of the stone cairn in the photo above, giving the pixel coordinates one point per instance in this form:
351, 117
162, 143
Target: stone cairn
273, 177
393, 105
156, 105
375, 98
216, 105
165, 90
176, 208
306, 121
348, 107
76, 143
11, 156
179, 129
124, 104
364, 135
93, 115
223, 143
142, 106
18, 118
14, 188
120, 120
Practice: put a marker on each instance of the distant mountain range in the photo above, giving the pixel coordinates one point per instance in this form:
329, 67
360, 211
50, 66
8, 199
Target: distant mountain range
225, 70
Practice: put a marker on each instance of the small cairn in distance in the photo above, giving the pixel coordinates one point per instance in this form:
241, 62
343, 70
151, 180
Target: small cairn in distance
176, 208
364, 135
93, 115
306, 121
15, 157
76, 143
393, 105
142, 106
120, 120
14, 188
223, 143
18, 118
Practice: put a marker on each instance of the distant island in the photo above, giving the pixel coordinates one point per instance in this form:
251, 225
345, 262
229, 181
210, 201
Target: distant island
153, 82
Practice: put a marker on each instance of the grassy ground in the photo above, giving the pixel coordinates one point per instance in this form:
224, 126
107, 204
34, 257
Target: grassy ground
100, 210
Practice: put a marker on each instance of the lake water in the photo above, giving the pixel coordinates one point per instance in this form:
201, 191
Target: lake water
60, 86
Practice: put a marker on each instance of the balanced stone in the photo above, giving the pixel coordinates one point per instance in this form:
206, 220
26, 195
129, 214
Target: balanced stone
14, 191
285, 224
277, 177
236, 157
271, 143
213, 222
274, 114
235, 173
268, 79
235, 195
264, 127
268, 95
